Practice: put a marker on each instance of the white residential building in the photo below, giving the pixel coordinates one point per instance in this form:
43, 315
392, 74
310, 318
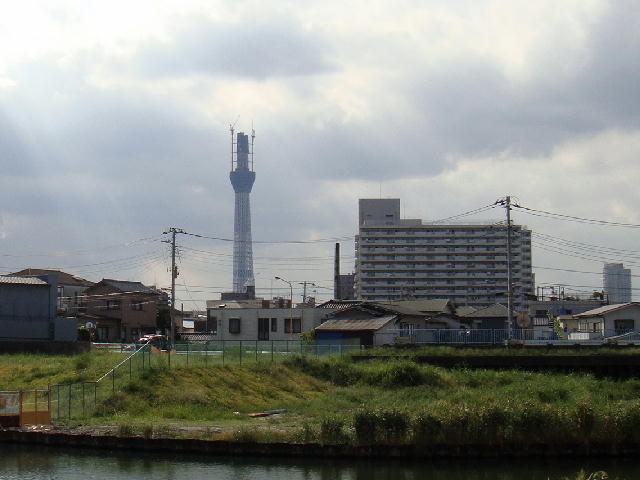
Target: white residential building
617, 283
406, 259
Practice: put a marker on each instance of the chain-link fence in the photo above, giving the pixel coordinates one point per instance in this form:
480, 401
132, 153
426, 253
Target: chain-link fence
81, 400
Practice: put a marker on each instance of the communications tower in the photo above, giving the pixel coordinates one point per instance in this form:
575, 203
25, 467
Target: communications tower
242, 177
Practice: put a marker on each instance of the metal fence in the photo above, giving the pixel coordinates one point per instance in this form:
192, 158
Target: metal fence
496, 336
82, 400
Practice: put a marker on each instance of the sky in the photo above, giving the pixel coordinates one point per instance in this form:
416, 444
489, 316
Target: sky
114, 126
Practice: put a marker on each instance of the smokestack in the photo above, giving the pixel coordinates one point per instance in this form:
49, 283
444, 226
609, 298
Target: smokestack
336, 274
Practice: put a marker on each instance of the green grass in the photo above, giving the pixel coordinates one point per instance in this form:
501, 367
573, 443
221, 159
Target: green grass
337, 400
25, 371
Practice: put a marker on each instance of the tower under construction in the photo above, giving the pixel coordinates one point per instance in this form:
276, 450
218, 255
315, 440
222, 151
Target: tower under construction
242, 177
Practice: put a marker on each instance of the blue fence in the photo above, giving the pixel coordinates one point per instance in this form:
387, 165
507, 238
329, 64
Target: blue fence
496, 336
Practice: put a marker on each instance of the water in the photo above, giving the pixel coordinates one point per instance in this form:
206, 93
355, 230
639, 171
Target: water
39, 463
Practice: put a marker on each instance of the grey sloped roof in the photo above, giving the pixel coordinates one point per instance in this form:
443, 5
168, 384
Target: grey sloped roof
465, 310
417, 307
126, 286
605, 309
349, 325
64, 278
12, 280
493, 311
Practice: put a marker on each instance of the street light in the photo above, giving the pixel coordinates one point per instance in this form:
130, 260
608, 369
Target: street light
290, 304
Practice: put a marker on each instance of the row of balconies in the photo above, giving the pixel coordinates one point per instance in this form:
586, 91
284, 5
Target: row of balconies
444, 266
366, 258
440, 248
442, 232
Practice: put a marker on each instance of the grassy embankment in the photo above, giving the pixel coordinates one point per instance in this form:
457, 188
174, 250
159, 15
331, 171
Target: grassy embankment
337, 401
29, 371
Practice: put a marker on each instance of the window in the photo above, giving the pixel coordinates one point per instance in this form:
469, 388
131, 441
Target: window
136, 305
135, 334
274, 324
102, 334
625, 324
234, 325
297, 325
113, 304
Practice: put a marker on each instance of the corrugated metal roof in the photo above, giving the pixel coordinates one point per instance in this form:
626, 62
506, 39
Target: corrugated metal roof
10, 280
349, 325
606, 309
339, 304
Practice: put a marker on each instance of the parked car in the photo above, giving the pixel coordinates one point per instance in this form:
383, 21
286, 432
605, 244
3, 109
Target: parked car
158, 341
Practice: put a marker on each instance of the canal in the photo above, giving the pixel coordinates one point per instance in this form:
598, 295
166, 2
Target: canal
38, 462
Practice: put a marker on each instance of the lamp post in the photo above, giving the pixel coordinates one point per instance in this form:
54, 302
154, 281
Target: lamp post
290, 305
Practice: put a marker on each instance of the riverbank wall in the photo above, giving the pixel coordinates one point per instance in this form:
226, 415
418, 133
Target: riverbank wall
314, 450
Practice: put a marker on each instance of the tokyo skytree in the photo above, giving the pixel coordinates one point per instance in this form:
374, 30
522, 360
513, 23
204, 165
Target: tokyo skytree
242, 177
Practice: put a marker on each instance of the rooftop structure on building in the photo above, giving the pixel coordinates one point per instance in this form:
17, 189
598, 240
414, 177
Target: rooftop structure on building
408, 259
616, 283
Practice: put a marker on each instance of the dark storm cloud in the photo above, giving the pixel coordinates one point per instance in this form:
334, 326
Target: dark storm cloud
248, 49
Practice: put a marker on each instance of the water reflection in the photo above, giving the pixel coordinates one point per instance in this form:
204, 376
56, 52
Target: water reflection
37, 463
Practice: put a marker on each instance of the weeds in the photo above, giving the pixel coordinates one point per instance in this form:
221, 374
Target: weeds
125, 430
332, 430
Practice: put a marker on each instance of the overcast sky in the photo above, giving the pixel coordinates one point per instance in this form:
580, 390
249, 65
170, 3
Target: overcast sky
114, 120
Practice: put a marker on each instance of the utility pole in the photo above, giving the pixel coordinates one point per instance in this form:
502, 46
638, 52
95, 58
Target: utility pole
174, 275
304, 289
506, 203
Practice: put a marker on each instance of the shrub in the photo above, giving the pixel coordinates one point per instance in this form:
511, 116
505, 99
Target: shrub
585, 419
492, 423
332, 430
366, 425
401, 374
147, 431
245, 435
427, 429
307, 434
82, 361
113, 404
125, 430
394, 425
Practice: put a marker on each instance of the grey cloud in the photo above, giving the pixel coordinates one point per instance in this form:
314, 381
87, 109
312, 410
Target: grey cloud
474, 109
251, 49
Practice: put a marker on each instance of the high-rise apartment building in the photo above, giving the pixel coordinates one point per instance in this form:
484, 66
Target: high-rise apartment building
616, 283
406, 259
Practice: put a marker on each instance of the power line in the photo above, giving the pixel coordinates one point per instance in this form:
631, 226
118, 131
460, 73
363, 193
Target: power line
573, 218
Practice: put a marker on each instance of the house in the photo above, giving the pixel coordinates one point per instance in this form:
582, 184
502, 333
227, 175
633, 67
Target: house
492, 317
610, 320
28, 310
260, 320
70, 291
122, 310
540, 311
379, 323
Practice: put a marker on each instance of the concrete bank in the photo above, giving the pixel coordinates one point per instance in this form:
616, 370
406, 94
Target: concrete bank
225, 448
